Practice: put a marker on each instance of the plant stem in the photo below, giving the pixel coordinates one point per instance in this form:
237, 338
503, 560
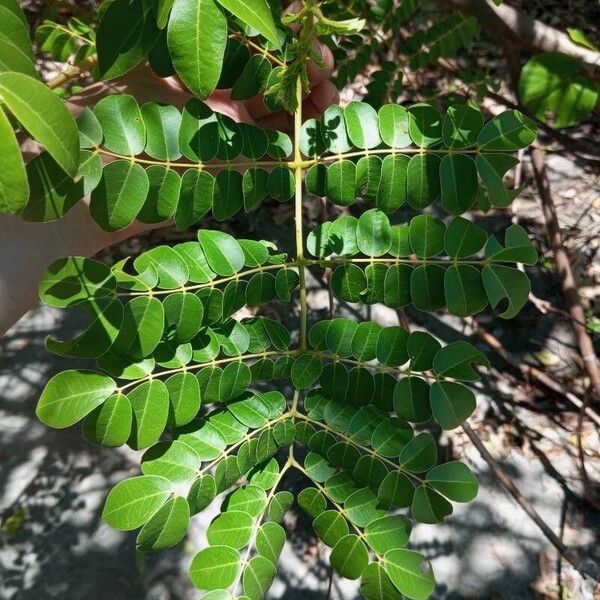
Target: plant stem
211, 284
73, 72
259, 520
298, 218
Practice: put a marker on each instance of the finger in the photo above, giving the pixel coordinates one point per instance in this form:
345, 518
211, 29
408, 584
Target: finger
318, 73
282, 121
256, 107
220, 101
323, 96
317, 77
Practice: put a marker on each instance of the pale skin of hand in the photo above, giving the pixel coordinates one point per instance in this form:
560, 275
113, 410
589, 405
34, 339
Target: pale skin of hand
27, 249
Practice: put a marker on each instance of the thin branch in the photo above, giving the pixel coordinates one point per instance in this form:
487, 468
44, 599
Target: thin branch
211, 284
330, 585
507, 24
590, 492
73, 72
528, 370
244, 39
512, 489
565, 272
575, 145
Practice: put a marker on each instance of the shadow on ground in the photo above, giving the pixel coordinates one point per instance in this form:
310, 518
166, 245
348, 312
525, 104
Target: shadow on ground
61, 549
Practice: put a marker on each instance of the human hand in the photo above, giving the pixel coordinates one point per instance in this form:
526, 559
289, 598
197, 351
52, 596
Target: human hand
145, 86
28, 248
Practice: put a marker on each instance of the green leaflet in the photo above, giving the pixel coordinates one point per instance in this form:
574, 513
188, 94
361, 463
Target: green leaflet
393, 126
554, 88
424, 125
120, 195
71, 395
362, 507
387, 533
396, 490
270, 539
132, 502
51, 191
162, 8
456, 360
517, 247
223, 253
463, 238
110, 423
150, 403
142, 328
331, 527
122, 125
509, 130
14, 189
16, 53
505, 283
232, 528
420, 454
166, 528
256, 14
429, 507
258, 576
202, 493
410, 572
250, 499
427, 236
305, 371
126, 33
461, 126
377, 585
580, 38
175, 461
458, 183
349, 557
159, 121
454, 480
215, 568
172, 272
373, 234
361, 123
451, 403
197, 36
44, 116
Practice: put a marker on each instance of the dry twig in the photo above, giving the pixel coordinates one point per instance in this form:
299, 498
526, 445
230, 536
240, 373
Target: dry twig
508, 25
530, 371
565, 272
512, 489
